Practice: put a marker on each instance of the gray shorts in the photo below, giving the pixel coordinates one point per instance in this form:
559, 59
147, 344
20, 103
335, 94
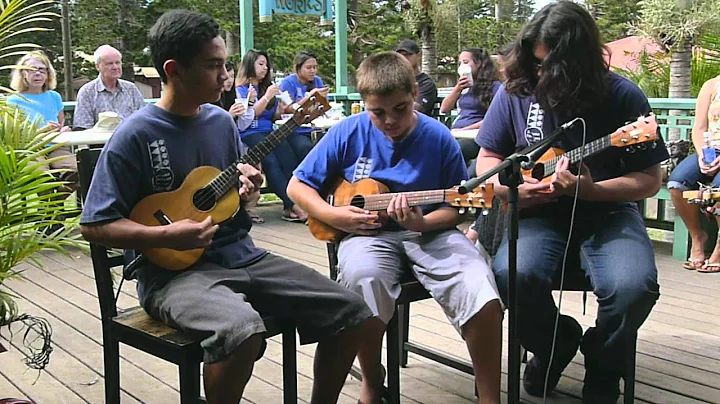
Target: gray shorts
223, 307
446, 263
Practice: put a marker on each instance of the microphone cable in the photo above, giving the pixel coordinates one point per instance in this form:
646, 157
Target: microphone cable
564, 261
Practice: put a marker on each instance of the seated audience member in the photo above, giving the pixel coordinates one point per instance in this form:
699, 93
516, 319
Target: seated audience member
42, 104
220, 300
301, 85
256, 77
407, 151
427, 91
243, 117
472, 96
694, 170
108, 92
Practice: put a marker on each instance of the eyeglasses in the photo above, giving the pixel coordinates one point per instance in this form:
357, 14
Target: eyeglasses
40, 70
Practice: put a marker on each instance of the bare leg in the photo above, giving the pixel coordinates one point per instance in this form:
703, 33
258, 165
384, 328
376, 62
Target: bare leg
483, 336
690, 215
715, 257
369, 356
225, 381
333, 358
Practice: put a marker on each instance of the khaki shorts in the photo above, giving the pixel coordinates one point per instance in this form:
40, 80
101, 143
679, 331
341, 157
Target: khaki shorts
68, 162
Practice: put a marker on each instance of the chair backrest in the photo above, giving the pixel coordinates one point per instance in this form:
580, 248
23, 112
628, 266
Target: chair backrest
102, 258
332, 260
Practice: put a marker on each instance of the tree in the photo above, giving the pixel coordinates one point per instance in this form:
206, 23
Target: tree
676, 24
613, 17
420, 19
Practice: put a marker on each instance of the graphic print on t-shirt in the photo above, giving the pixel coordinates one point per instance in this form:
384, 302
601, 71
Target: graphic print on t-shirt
163, 175
534, 129
363, 167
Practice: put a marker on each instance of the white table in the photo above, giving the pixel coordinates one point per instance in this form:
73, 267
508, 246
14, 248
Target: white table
84, 137
464, 134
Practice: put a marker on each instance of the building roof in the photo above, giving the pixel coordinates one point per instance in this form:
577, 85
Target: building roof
624, 52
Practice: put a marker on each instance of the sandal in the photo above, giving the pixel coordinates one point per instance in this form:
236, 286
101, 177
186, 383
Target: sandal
291, 217
710, 268
694, 264
255, 217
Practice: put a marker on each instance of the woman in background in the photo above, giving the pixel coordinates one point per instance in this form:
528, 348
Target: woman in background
256, 76
36, 84
472, 98
301, 85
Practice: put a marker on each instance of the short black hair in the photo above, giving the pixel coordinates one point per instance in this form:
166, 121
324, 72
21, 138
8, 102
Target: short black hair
180, 35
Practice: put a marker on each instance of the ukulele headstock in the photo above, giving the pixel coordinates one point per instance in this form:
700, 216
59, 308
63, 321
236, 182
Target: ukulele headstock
310, 109
479, 198
636, 134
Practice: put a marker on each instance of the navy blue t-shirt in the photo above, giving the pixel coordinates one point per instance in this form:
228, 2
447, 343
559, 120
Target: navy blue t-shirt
153, 151
471, 111
354, 149
512, 123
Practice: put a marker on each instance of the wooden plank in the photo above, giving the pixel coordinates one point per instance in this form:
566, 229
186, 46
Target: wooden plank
9, 390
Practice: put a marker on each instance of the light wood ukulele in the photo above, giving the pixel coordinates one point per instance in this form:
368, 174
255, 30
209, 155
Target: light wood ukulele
207, 191
630, 136
375, 196
707, 197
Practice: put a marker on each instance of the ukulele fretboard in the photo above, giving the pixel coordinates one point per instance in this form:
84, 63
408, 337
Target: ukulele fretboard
417, 198
229, 177
576, 154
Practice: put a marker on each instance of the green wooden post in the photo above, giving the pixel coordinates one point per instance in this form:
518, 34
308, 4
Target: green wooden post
246, 26
341, 67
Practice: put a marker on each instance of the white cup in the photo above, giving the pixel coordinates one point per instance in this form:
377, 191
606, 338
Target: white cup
285, 97
243, 101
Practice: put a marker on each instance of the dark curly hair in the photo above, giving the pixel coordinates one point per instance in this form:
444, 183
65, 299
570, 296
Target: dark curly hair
485, 75
574, 75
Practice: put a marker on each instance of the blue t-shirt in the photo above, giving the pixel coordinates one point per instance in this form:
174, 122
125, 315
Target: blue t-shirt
471, 111
45, 106
262, 123
153, 151
512, 123
354, 149
298, 91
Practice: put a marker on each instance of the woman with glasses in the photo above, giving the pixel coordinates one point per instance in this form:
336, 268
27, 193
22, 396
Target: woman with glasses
34, 79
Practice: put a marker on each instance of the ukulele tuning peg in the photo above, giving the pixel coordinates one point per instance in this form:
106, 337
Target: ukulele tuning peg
653, 145
461, 211
630, 150
485, 212
472, 211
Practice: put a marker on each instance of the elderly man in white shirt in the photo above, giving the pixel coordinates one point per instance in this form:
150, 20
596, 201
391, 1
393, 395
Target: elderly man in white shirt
108, 92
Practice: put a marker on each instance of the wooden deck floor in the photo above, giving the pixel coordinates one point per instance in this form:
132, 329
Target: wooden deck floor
678, 350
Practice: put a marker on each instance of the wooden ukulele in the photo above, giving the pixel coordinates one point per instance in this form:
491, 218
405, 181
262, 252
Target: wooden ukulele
207, 191
706, 197
630, 136
375, 196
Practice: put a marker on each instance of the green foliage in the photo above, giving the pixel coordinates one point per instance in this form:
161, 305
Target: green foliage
27, 203
613, 17
672, 22
653, 72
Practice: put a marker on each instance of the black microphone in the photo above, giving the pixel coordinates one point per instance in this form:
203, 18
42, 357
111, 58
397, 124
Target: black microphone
538, 150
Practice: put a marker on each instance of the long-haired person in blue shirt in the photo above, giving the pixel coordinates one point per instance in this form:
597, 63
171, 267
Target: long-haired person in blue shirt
301, 85
255, 76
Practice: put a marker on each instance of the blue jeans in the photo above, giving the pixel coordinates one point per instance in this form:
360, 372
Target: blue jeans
301, 144
278, 166
687, 175
616, 255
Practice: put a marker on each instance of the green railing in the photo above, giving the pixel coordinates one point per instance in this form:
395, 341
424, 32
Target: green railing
674, 116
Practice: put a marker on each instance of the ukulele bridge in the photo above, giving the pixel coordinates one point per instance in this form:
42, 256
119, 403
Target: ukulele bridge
162, 217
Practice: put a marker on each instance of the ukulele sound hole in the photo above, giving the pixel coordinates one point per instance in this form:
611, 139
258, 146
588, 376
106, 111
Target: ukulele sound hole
204, 199
358, 201
538, 171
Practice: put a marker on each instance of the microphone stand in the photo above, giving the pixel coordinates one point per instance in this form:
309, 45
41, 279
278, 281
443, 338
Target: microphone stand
510, 175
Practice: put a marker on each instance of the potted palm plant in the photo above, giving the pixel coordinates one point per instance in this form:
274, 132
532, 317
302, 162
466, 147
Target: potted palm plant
28, 203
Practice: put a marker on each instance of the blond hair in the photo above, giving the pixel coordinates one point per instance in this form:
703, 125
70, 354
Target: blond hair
385, 73
18, 82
